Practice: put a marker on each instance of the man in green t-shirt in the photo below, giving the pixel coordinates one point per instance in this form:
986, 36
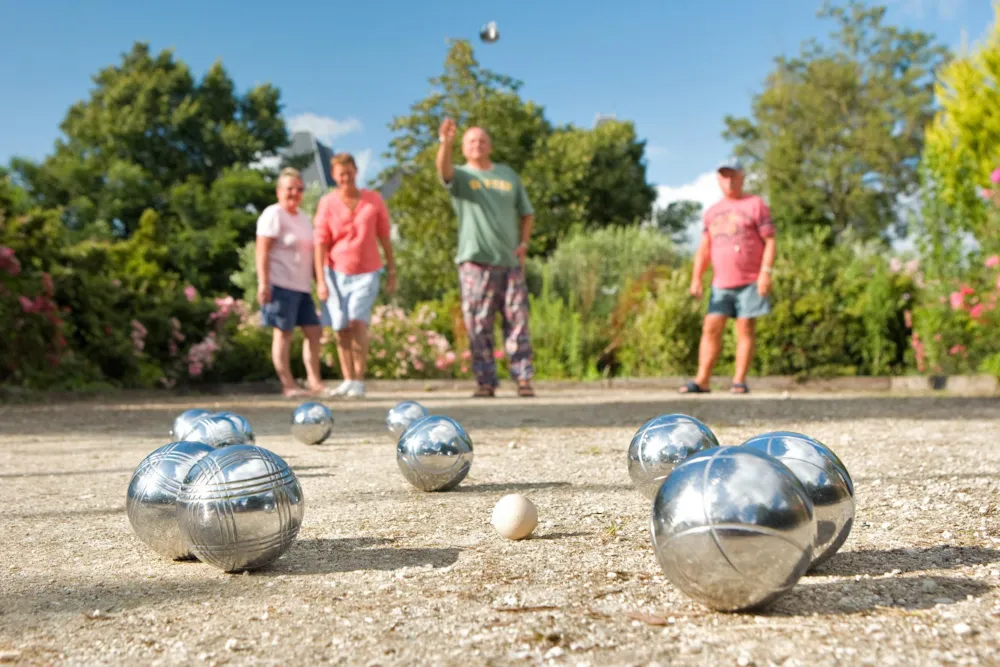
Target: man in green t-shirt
494, 227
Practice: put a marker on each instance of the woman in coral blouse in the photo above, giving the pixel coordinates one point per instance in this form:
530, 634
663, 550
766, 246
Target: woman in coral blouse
349, 226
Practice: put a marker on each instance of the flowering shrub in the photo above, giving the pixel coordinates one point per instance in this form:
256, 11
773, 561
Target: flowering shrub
35, 340
406, 346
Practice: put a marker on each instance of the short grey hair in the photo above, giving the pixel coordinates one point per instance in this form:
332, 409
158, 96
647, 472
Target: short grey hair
289, 172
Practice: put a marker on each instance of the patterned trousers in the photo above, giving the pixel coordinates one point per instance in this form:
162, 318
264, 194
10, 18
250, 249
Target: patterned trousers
486, 290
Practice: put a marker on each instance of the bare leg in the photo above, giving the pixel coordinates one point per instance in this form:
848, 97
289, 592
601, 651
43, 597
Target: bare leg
711, 346
281, 343
360, 343
345, 351
311, 355
745, 339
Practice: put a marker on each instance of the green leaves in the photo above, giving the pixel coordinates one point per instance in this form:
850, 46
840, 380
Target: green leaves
837, 132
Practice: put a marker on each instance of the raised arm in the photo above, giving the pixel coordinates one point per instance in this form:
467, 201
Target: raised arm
446, 134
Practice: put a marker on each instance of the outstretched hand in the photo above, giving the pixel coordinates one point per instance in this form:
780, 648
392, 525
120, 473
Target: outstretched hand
447, 131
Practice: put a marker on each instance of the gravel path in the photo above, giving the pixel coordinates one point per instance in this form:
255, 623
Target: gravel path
384, 574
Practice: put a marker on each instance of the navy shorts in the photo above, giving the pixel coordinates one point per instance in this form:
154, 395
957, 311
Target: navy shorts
739, 302
288, 309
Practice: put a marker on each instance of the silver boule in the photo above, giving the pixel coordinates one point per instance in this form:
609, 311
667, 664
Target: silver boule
185, 421
733, 528
403, 414
240, 508
242, 425
825, 479
219, 431
434, 453
489, 33
660, 444
151, 498
312, 423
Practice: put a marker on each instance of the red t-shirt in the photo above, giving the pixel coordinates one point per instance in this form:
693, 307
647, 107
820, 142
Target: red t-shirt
736, 229
352, 236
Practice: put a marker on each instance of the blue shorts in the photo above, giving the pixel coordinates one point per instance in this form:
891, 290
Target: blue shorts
739, 302
351, 297
288, 309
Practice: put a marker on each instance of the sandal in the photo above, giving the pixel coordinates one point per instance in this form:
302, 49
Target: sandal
739, 388
484, 392
693, 387
525, 390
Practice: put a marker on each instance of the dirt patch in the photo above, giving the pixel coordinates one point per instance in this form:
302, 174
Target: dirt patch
384, 574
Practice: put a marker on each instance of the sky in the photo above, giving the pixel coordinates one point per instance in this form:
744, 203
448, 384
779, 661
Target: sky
345, 69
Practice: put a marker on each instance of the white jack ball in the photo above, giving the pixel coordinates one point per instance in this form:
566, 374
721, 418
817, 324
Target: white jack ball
514, 516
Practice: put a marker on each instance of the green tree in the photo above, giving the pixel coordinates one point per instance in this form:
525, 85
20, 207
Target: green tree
963, 144
152, 137
575, 177
675, 219
836, 134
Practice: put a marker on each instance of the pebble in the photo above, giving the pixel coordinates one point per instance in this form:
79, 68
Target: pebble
9, 656
961, 629
929, 586
946, 535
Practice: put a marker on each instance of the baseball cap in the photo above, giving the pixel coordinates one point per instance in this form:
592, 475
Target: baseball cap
730, 162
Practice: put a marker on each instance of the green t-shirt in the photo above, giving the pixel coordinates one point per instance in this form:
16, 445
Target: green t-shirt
489, 205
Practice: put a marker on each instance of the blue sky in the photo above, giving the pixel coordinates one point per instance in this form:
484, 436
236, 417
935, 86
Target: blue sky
675, 67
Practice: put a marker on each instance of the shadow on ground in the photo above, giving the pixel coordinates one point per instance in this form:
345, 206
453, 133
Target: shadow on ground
874, 562
367, 420
855, 596
326, 556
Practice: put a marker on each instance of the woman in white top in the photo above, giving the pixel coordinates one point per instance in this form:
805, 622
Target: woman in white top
284, 282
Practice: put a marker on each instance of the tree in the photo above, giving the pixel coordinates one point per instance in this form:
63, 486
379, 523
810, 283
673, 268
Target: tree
836, 135
150, 137
963, 143
677, 218
575, 177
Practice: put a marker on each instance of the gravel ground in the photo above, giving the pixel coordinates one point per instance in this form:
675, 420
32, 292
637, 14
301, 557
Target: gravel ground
384, 574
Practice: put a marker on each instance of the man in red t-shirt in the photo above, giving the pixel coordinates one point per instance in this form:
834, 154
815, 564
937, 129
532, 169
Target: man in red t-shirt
738, 239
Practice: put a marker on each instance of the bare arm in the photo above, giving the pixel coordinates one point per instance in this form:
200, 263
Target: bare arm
526, 223
443, 162
263, 253
770, 253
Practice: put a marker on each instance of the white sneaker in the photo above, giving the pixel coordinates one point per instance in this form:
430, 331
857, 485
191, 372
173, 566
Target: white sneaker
342, 390
356, 390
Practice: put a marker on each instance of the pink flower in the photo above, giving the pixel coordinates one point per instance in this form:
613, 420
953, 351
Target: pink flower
449, 357
418, 365
985, 193
992, 261
995, 176
895, 265
957, 300
912, 266
195, 368
908, 319
138, 336
976, 312
47, 285
6, 253
8, 261
956, 349
411, 338
439, 364
27, 305
190, 292
498, 354
468, 353
464, 369
966, 290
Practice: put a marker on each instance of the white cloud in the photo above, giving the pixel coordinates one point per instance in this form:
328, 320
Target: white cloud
945, 9
324, 128
704, 189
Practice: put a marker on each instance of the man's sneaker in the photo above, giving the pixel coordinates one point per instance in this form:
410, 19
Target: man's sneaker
356, 390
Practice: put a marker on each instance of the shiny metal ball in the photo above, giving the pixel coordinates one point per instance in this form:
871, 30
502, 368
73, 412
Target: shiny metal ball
219, 431
240, 508
185, 421
825, 479
402, 415
489, 33
312, 423
242, 425
660, 444
151, 499
733, 528
435, 453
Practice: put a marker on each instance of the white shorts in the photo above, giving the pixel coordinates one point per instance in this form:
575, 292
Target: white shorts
351, 298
